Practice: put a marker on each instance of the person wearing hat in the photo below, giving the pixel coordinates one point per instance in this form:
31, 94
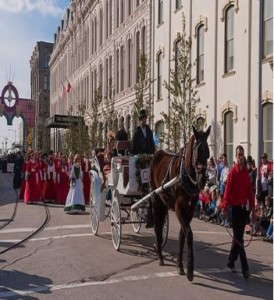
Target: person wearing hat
252, 173
265, 170
142, 141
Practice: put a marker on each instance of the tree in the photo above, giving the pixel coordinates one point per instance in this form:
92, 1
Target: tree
76, 138
140, 87
110, 112
183, 101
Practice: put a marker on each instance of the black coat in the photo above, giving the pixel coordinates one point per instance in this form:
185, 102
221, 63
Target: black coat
142, 144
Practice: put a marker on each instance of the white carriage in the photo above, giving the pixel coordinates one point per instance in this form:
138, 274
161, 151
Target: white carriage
123, 187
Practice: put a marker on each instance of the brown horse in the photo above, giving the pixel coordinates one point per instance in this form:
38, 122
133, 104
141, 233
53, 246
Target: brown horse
190, 168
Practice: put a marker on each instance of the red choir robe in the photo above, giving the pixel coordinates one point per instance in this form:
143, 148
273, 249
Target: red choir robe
49, 191
62, 183
23, 183
42, 166
86, 167
33, 183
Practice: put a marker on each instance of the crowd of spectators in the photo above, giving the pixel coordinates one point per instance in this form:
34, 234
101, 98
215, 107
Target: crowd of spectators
210, 203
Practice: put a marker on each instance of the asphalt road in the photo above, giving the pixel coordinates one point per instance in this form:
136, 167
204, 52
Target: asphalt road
64, 261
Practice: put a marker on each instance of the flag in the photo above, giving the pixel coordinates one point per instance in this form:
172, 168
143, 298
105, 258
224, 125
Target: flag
68, 87
64, 91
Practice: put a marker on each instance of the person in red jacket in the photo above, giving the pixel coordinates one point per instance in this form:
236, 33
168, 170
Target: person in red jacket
238, 192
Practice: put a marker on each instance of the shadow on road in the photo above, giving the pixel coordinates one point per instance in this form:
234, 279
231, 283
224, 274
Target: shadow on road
14, 281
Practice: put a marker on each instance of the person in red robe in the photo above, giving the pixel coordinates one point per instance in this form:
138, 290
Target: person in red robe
33, 181
49, 191
23, 183
86, 167
62, 182
42, 163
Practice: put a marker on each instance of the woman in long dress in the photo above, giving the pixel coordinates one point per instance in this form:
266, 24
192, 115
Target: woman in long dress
75, 200
33, 181
62, 184
49, 189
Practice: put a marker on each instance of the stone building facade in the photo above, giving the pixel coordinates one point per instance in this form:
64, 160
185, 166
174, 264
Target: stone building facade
40, 92
97, 44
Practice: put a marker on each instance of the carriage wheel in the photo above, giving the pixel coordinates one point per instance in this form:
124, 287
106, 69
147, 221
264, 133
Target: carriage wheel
93, 217
136, 218
115, 218
165, 230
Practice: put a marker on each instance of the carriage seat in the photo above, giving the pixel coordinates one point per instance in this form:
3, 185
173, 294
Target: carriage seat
123, 147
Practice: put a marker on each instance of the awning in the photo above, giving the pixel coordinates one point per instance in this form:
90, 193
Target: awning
62, 121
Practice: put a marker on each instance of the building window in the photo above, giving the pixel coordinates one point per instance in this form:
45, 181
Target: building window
129, 63
176, 56
160, 11
128, 126
117, 13
268, 129
268, 27
137, 55
110, 17
228, 136
46, 83
106, 79
159, 75
178, 3
129, 7
200, 54
122, 67
229, 39
101, 27
200, 122
117, 71
144, 40
122, 11
137, 3
159, 135
106, 20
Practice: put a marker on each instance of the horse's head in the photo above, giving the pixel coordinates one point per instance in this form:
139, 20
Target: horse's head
200, 155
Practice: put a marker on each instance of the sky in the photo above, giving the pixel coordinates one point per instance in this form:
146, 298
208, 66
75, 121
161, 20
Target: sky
22, 24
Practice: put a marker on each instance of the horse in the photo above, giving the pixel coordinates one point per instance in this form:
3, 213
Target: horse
190, 167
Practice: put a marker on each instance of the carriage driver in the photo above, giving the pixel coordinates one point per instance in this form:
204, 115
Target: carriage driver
143, 143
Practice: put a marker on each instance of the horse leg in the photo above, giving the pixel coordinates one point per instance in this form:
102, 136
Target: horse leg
190, 256
186, 233
180, 267
159, 211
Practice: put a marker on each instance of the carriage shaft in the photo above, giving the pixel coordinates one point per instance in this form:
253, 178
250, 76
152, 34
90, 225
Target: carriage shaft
159, 190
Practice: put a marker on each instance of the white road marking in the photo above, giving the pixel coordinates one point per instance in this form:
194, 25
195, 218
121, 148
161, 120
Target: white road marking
51, 288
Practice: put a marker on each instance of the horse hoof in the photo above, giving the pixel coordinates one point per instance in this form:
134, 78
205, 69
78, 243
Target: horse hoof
190, 276
161, 262
181, 271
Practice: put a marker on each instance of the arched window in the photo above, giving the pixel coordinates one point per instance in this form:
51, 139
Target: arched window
228, 136
200, 54
268, 129
159, 75
200, 123
128, 126
268, 27
95, 34
229, 39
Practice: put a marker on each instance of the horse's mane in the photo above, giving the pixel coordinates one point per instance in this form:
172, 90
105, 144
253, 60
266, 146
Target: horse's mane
189, 151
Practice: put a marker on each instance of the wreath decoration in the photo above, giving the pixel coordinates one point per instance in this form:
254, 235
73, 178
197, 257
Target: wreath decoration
142, 161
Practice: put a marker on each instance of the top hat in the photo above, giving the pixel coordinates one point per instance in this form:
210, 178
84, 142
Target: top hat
142, 114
